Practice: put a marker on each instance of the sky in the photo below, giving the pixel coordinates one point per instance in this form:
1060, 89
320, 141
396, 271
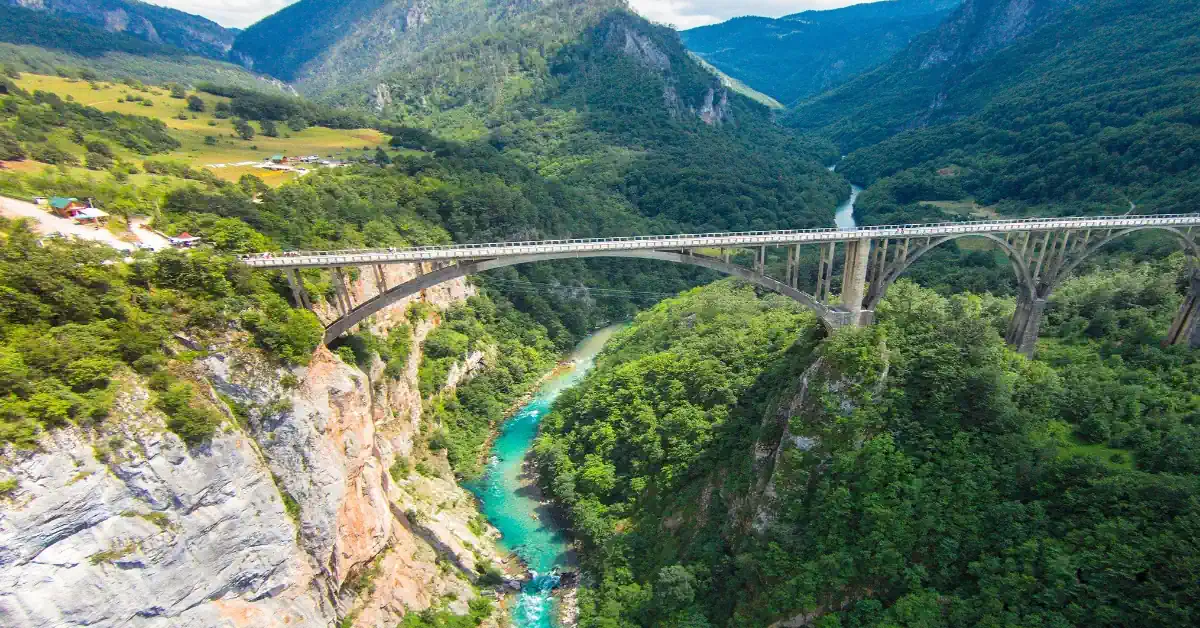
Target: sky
678, 13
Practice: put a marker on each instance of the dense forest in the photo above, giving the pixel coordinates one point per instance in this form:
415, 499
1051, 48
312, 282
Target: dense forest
52, 23
721, 466
1092, 112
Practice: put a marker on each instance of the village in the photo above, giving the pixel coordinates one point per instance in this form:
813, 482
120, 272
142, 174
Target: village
282, 163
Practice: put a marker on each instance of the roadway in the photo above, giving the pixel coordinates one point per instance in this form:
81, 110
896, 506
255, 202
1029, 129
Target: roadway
355, 257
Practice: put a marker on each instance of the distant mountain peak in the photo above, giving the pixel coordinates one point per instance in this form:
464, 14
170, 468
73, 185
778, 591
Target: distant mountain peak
148, 22
801, 54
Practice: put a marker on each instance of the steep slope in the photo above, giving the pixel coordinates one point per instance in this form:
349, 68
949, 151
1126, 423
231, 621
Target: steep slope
325, 44
42, 42
1069, 107
724, 466
148, 22
940, 75
799, 55
607, 102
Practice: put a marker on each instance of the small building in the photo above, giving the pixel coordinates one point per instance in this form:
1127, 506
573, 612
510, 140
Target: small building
183, 241
91, 216
278, 159
66, 207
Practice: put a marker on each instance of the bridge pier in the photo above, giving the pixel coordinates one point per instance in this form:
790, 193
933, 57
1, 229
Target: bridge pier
341, 291
1186, 326
854, 277
299, 294
1026, 321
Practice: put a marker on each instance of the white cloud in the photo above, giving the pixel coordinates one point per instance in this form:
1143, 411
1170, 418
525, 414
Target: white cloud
228, 13
678, 13
692, 13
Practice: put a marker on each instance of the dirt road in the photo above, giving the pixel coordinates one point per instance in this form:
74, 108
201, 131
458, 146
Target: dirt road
45, 223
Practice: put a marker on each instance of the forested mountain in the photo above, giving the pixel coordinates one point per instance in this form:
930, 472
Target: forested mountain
723, 466
47, 43
326, 44
148, 22
1069, 107
799, 55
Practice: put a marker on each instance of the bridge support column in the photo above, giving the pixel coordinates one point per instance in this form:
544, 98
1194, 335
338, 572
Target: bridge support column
341, 291
299, 294
1186, 327
380, 279
825, 271
1026, 321
854, 277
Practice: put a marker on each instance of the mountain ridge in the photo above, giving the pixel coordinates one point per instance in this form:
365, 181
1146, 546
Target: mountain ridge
801, 54
148, 22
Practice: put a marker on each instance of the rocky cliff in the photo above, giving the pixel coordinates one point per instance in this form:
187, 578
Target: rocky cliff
305, 508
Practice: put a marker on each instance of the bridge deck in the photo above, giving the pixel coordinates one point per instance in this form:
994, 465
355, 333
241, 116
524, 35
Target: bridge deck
353, 257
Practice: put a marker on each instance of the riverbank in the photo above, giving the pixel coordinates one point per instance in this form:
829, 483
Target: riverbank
513, 503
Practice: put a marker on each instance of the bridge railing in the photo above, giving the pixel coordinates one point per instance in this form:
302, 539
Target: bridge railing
865, 231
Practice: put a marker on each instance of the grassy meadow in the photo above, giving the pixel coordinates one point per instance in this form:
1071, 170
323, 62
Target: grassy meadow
191, 129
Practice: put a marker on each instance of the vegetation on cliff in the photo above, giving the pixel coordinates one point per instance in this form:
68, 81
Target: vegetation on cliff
914, 471
1059, 117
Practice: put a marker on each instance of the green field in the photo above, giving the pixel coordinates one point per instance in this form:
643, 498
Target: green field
195, 127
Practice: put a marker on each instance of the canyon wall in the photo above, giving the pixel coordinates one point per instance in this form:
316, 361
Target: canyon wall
305, 508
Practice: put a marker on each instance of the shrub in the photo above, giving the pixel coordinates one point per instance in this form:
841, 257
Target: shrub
10, 148
96, 161
50, 154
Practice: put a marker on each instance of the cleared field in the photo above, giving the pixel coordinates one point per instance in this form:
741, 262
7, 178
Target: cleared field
966, 208
191, 128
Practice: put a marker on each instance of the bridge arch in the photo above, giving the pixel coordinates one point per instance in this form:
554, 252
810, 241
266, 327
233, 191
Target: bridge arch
1189, 246
829, 317
1029, 288
891, 274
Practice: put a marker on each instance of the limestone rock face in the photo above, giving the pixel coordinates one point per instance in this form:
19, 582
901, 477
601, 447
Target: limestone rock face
299, 512
156, 536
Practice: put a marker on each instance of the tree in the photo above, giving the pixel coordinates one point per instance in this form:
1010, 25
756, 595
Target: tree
97, 161
269, 129
243, 128
10, 148
177, 91
195, 103
381, 157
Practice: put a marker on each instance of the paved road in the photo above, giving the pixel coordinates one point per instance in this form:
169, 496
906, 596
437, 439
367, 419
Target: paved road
599, 246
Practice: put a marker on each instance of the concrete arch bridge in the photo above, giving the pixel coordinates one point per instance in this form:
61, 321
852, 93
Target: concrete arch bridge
1042, 251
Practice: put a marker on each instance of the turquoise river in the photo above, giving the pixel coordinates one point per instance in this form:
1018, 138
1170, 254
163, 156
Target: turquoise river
510, 501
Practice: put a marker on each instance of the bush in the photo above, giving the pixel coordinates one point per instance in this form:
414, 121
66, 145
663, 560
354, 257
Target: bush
195, 103
243, 128
10, 148
50, 154
190, 419
96, 161
100, 148
290, 334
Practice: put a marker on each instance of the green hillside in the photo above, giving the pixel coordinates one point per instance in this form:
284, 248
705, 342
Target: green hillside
154, 25
322, 45
1088, 107
45, 43
799, 55
722, 466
